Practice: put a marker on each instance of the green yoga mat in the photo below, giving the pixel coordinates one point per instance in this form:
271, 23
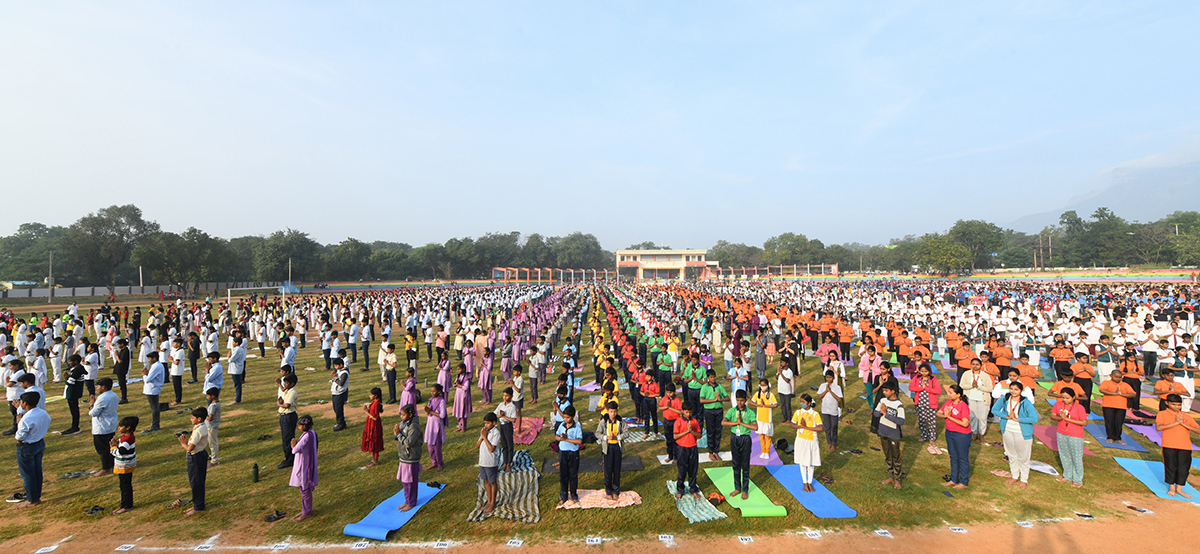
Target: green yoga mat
757, 505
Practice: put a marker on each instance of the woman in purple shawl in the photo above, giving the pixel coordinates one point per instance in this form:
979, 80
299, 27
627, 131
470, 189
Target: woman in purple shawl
304, 469
462, 396
435, 426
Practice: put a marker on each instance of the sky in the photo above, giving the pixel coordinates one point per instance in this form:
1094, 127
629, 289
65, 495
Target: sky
681, 123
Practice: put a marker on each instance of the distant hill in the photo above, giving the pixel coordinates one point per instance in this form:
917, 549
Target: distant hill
1144, 194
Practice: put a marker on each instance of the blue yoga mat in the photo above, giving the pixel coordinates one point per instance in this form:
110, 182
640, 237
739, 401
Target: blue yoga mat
1101, 435
822, 503
385, 518
1151, 475
1090, 415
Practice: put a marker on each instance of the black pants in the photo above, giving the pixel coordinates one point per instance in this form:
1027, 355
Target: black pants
100, 442
328, 362
1086, 400
1150, 362
391, 384
1061, 368
845, 350
123, 381
693, 398
354, 353
1135, 384
568, 475
785, 404
262, 350
153, 399
506, 443
126, 484
177, 384
13, 409
287, 432
686, 463
1176, 464
612, 470
636, 396
429, 351
73, 406
740, 447
830, 423
669, 431
366, 348
712, 422
197, 468
193, 363
238, 379
91, 386
339, 407
650, 410
1114, 418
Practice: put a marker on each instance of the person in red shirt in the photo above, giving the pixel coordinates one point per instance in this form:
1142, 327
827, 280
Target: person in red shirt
1177, 445
650, 403
672, 409
687, 456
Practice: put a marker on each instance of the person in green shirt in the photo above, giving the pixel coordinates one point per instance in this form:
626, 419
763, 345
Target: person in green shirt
693, 379
743, 420
712, 398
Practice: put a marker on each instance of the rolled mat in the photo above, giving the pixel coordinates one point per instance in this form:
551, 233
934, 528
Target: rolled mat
594, 465
694, 509
1091, 416
597, 499
756, 450
1151, 474
386, 517
1101, 435
821, 503
1048, 434
517, 497
530, 426
755, 505
1151, 433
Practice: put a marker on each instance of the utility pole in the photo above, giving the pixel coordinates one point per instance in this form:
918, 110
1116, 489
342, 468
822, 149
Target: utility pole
1043, 266
140, 283
1051, 239
50, 281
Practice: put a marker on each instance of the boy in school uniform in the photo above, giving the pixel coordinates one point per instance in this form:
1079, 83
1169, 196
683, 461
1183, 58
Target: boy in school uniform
213, 422
672, 408
687, 431
713, 395
612, 429
742, 420
506, 412
650, 405
488, 442
197, 460
569, 436
285, 401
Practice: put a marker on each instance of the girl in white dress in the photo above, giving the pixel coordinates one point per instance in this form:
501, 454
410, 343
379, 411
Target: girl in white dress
807, 423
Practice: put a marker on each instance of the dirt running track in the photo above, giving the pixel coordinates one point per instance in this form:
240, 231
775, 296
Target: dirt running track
1171, 525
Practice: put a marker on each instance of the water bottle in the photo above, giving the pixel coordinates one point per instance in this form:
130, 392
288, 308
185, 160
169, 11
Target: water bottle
254, 473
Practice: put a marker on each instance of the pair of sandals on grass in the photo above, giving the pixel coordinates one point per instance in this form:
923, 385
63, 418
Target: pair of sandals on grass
279, 514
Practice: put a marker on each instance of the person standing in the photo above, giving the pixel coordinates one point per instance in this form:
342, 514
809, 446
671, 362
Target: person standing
124, 452
713, 396
978, 387
121, 369
506, 412
569, 436
1174, 425
237, 368
613, 429
286, 402
74, 391
152, 384
31, 445
213, 423
197, 460
435, 426
687, 457
103, 410
1114, 401
214, 374
958, 436
890, 412
830, 395
408, 435
1071, 418
742, 421
304, 471
1017, 416
339, 391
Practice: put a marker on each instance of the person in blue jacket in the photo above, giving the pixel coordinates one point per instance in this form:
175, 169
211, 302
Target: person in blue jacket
1017, 416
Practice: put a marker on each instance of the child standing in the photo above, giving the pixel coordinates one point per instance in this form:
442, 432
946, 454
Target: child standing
569, 437
408, 395
372, 437
830, 395
890, 412
462, 397
687, 431
506, 411
196, 447
764, 402
304, 470
124, 451
743, 421
613, 430
650, 404
409, 438
807, 423
672, 408
489, 441
435, 426
214, 421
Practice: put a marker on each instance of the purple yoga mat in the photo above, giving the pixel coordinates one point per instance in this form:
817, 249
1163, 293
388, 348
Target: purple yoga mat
1151, 433
592, 386
1048, 434
946, 364
756, 449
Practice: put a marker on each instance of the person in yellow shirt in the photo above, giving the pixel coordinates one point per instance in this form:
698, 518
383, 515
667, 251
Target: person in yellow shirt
807, 423
764, 402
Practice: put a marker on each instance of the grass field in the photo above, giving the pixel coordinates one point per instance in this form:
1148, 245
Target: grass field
347, 493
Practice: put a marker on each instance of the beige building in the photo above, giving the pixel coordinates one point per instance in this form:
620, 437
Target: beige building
665, 264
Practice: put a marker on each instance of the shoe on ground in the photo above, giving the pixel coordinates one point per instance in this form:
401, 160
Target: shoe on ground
192, 382
150, 430
68, 432
283, 465
9, 432
18, 497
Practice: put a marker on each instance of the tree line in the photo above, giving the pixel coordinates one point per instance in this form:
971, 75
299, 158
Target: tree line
110, 245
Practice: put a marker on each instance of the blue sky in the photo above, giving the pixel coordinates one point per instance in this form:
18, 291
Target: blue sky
677, 122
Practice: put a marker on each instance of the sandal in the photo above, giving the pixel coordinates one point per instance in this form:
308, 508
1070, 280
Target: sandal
179, 503
263, 437
275, 516
94, 510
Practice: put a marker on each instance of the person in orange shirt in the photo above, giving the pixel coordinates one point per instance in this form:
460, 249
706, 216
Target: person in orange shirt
1067, 381
985, 358
1062, 358
903, 348
1177, 444
1116, 399
964, 356
1002, 356
1132, 373
1084, 373
1029, 373
845, 337
919, 348
1166, 387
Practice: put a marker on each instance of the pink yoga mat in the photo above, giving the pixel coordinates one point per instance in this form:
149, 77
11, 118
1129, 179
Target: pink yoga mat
756, 449
1048, 434
1151, 433
529, 430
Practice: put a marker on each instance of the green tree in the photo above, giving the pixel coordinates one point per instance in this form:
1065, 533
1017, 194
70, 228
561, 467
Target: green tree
788, 249
498, 250
271, 257
647, 245
1016, 257
736, 255
942, 254
184, 259
241, 249
25, 255
980, 238
101, 242
535, 252
581, 251
349, 261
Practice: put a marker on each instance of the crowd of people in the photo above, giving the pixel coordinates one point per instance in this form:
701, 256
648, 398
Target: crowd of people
702, 358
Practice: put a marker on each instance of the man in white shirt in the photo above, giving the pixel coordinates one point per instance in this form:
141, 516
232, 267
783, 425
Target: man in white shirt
214, 374
177, 370
30, 435
103, 411
339, 390
13, 369
152, 383
352, 339
237, 368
